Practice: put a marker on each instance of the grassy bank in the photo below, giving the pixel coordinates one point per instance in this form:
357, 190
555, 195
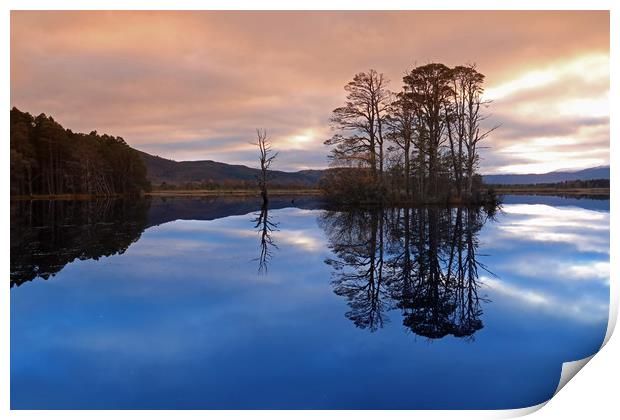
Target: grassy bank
170, 193
316, 192
227, 193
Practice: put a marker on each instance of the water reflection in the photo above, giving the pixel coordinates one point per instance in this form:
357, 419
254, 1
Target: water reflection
421, 261
167, 321
47, 235
265, 227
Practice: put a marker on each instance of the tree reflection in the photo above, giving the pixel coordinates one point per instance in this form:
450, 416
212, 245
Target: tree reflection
357, 237
265, 228
47, 235
421, 262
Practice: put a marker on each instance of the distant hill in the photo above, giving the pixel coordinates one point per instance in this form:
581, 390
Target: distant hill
600, 172
171, 172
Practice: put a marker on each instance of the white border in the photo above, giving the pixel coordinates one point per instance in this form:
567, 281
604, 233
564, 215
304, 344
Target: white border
593, 394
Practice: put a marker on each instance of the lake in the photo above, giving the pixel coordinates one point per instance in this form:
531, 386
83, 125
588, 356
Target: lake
203, 303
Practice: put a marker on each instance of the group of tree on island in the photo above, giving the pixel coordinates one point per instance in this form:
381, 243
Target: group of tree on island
48, 159
418, 145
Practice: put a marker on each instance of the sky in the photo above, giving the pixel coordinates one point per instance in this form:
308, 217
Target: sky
196, 85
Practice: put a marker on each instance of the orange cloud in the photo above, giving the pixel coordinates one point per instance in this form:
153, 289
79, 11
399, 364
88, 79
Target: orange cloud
195, 85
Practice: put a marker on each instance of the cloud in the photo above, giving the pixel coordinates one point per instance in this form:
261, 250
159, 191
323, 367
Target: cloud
579, 228
558, 270
150, 247
553, 117
195, 85
581, 309
307, 240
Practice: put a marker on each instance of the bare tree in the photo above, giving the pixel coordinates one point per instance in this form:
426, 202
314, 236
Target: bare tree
266, 158
463, 114
434, 129
401, 124
361, 123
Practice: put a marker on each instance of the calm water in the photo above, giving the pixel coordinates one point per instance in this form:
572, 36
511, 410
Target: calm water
213, 303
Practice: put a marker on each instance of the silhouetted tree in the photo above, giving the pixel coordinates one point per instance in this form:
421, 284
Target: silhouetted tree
266, 158
361, 124
434, 129
402, 132
428, 87
463, 114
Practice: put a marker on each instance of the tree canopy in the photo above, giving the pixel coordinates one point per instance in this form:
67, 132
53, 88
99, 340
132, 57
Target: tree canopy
49, 159
420, 144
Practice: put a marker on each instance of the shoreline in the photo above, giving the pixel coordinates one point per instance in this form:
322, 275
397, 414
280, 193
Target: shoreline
229, 193
306, 192
166, 193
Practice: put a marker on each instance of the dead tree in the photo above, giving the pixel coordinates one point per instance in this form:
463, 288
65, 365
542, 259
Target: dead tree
266, 158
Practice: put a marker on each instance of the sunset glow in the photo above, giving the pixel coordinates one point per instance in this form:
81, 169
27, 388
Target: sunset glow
196, 85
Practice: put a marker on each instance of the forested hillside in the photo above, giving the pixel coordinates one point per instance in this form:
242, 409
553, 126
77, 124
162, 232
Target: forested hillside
207, 174
50, 160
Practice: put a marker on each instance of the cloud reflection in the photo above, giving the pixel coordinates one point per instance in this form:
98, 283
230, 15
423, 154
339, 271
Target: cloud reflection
577, 309
551, 259
586, 230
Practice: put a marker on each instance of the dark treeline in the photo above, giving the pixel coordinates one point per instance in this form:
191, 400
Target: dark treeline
419, 261
417, 145
48, 159
47, 235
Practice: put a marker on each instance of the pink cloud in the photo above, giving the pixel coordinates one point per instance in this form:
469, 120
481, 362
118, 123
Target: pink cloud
161, 79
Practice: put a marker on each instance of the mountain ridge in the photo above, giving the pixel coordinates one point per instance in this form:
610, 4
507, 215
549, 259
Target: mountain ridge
167, 171
162, 171
598, 172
